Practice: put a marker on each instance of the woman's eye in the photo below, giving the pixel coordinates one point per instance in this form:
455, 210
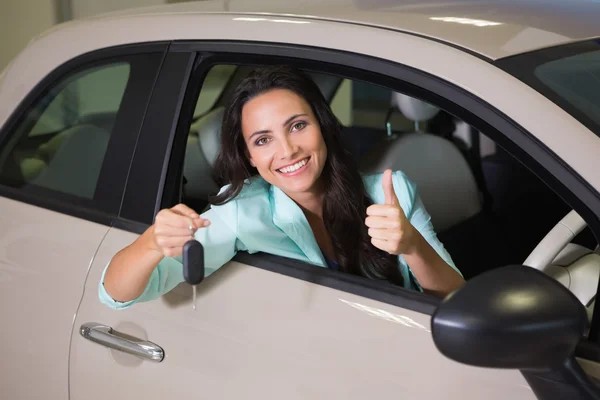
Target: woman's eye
298, 126
262, 141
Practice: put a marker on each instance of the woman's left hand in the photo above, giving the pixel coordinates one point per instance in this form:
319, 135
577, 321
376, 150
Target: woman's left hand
389, 228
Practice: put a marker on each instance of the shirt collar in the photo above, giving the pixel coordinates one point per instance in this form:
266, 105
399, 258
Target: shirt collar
288, 216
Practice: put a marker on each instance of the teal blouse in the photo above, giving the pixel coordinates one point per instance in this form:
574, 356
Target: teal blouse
262, 218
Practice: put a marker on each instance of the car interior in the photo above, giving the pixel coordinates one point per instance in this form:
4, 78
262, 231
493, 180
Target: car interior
486, 207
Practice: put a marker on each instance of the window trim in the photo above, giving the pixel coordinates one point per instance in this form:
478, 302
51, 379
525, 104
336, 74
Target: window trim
106, 203
507, 133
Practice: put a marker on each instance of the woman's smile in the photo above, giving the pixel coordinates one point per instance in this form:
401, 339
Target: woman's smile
295, 168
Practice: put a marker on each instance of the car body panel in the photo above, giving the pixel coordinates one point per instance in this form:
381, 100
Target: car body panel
45, 256
259, 334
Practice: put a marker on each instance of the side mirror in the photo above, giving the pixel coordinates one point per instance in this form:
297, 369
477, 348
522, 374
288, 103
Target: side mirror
517, 317
511, 317
193, 262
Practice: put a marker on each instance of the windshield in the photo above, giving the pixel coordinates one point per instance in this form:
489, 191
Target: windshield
568, 75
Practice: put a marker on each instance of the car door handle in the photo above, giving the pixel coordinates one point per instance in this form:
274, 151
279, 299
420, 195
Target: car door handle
105, 336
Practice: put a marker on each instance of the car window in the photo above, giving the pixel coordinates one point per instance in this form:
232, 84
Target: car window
486, 207
474, 197
568, 75
84, 96
61, 141
577, 80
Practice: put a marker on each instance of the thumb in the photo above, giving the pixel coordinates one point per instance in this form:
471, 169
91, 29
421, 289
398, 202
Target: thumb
388, 188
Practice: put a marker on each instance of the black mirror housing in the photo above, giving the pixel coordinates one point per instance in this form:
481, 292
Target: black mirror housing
513, 317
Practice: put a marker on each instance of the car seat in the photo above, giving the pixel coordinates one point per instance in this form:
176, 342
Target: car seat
443, 177
474, 237
83, 146
200, 154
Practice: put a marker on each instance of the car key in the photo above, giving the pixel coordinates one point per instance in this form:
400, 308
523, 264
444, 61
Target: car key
193, 265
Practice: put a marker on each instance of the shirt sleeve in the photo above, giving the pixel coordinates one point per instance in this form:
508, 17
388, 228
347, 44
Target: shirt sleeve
220, 245
421, 221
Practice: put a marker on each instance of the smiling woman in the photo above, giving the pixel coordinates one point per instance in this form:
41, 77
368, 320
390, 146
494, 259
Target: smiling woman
289, 188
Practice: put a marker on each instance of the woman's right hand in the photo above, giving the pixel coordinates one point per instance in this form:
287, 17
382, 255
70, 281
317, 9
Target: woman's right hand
174, 227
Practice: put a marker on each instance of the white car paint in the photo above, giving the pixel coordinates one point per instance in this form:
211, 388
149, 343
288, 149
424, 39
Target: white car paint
261, 335
45, 257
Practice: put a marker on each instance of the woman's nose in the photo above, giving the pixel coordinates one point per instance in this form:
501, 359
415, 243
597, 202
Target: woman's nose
288, 148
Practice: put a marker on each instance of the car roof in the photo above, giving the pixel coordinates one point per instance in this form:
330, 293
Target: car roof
490, 28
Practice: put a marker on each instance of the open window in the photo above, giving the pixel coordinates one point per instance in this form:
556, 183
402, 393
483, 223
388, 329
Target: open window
487, 207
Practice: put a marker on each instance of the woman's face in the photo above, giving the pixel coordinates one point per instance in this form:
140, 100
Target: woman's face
284, 141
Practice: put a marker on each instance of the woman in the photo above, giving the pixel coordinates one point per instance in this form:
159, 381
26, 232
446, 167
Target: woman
291, 190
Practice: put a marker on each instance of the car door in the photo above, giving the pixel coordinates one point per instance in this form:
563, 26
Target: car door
64, 155
263, 326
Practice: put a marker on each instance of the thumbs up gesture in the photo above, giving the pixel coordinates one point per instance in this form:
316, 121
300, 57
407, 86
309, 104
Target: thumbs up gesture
389, 228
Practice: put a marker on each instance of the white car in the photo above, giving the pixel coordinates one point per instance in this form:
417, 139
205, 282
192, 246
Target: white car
491, 107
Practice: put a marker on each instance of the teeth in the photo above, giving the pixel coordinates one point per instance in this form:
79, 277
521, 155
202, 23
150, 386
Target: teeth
294, 167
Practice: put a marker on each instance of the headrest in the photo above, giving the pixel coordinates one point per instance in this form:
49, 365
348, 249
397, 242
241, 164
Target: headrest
327, 83
209, 132
414, 109
201, 152
443, 177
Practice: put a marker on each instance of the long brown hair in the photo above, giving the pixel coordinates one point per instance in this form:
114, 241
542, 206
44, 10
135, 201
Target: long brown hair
345, 200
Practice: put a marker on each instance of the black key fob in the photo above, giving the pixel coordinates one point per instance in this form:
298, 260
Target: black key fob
193, 262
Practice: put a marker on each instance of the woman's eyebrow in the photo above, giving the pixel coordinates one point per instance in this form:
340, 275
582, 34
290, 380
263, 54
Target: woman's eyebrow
293, 117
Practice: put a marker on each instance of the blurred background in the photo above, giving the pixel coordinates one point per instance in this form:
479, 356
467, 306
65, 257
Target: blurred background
21, 20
